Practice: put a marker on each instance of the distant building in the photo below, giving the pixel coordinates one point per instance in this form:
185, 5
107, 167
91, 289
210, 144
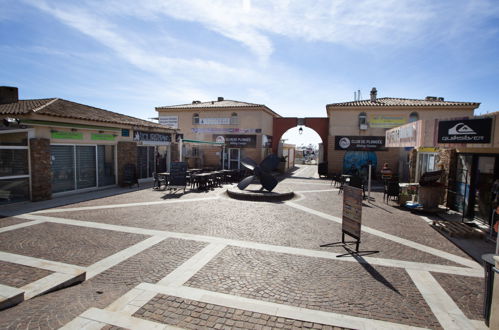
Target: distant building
53, 146
245, 128
357, 129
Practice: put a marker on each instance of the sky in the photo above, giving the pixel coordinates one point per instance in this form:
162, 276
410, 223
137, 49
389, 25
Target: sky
293, 56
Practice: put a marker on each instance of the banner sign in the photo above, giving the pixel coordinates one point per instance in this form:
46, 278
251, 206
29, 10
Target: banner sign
465, 131
382, 121
403, 136
102, 137
214, 121
237, 141
352, 211
171, 121
360, 143
178, 174
152, 137
225, 130
67, 135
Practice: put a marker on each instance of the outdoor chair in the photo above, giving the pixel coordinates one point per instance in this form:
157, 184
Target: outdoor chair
392, 190
159, 181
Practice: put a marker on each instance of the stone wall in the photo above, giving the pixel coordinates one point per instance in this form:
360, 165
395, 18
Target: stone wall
127, 154
41, 169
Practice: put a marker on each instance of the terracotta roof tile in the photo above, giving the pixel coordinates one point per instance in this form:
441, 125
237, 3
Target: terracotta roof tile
398, 102
72, 110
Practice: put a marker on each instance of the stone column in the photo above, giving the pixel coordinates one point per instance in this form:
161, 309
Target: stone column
448, 159
127, 154
41, 169
413, 163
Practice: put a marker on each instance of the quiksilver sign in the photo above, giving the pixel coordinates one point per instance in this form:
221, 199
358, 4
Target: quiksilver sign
465, 131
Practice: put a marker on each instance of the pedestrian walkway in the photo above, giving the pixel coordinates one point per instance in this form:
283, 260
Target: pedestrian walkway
204, 260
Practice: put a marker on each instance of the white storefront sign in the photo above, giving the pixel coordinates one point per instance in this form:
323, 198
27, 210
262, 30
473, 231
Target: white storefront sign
214, 121
171, 121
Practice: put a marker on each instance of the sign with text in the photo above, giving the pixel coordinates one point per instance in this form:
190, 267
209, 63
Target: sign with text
225, 130
102, 137
178, 174
238, 141
360, 143
403, 136
383, 121
171, 121
214, 121
159, 138
67, 135
352, 211
465, 131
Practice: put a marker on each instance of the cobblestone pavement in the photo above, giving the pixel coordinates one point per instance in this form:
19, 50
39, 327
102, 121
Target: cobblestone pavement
10, 221
191, 314
202, 260
17, 276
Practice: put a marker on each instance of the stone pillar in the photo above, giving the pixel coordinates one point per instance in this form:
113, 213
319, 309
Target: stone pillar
41, 169
127, 154
494, 310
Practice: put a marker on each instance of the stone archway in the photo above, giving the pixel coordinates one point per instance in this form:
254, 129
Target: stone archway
318, 124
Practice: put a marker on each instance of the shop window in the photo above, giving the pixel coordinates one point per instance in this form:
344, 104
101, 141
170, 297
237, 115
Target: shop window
14, 167
145, 161
195, 119
233, 119
413, 117
63, 165
362, 120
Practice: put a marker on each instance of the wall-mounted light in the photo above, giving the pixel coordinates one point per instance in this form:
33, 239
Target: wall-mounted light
300, 130
74, 130
100, 132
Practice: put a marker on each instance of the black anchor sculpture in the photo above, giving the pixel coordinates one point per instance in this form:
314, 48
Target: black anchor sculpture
262, 172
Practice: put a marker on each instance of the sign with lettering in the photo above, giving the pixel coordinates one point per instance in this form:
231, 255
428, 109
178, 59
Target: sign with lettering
238, 141
171, 121
214, 121
178, 174
465, 131
157, 138
102, 137
225, 130
383, 121
352, 211
67, 135
403, 136
360, 143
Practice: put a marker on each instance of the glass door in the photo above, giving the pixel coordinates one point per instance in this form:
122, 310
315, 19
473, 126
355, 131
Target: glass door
63, 165
234, 158
483, 188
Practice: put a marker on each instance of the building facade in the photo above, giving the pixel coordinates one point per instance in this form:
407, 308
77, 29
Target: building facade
357, 130
54, 146
245, 129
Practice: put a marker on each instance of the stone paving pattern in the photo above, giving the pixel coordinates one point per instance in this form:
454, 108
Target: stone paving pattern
19, 275
10, 221
191, 314
69, 244
271, 223
53, 310
361, 290
385, 217
467, 292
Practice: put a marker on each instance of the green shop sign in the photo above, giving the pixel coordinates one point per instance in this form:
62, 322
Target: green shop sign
100, 136
67, 135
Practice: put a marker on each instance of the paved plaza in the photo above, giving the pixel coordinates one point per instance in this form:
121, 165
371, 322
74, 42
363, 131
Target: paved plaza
151, 260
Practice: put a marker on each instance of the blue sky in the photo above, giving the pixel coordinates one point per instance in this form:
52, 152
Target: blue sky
293, 56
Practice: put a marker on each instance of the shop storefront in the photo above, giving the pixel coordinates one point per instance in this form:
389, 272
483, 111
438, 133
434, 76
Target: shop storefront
66, 147
14, 165
153, 152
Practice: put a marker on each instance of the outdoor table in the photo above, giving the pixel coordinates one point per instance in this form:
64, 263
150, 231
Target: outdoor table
202, 180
